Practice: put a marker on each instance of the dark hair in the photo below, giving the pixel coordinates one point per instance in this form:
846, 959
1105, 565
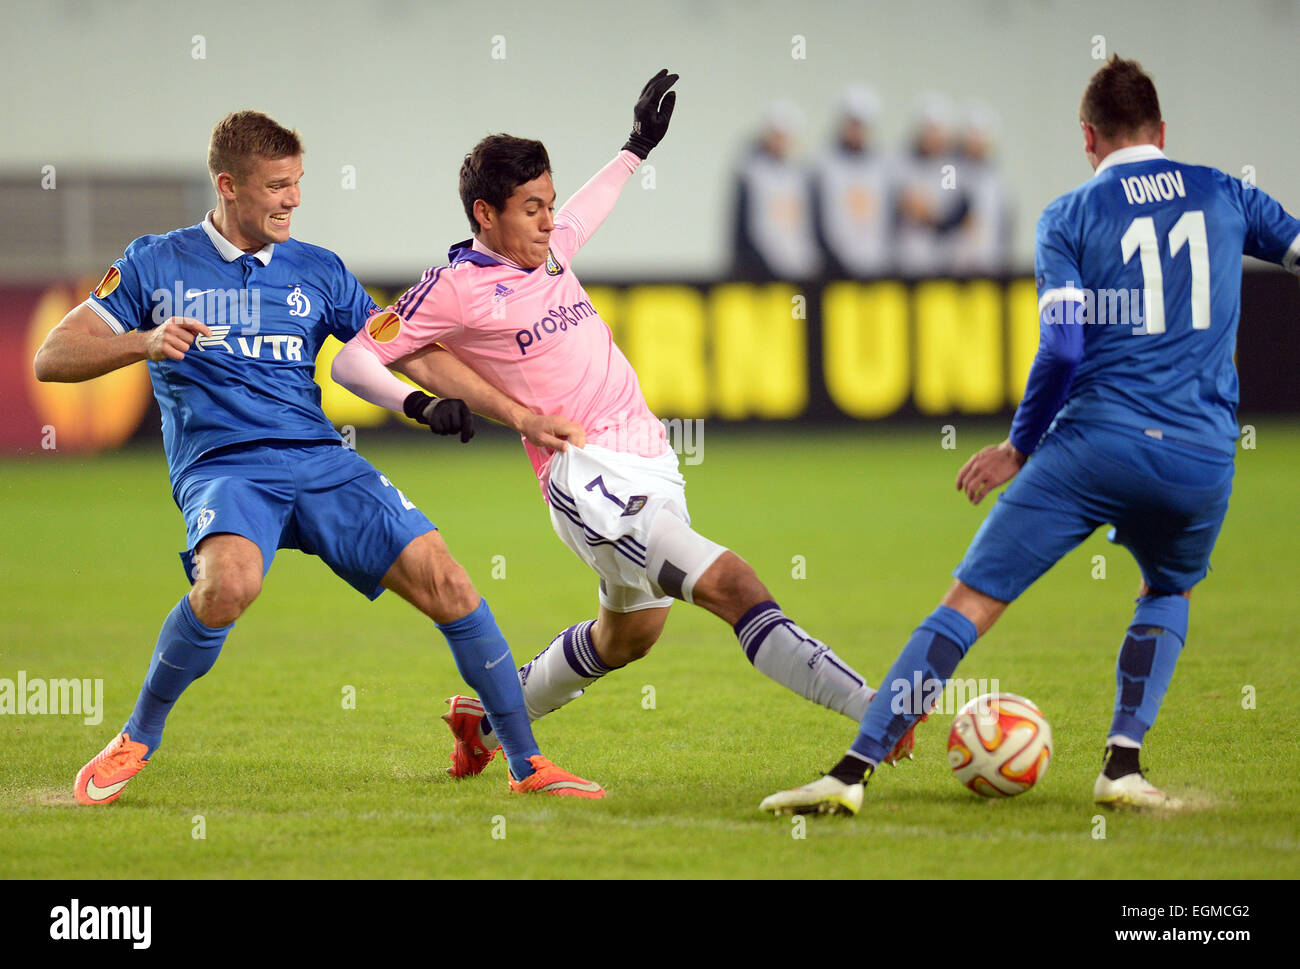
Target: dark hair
1120, 100
239, 137
497, 166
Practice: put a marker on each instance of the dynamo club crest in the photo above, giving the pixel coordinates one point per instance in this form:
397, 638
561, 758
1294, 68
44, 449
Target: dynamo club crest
299, 303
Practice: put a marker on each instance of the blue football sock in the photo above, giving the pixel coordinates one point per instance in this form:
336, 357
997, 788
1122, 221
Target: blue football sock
1146, 662
483, 658
916, 679
186, 650
558, 674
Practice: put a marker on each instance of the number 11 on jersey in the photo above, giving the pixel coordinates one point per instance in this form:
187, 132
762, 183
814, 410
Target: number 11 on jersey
1189, 231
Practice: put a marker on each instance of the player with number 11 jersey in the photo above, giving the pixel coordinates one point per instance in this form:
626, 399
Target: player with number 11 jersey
1128, 418
1166, 239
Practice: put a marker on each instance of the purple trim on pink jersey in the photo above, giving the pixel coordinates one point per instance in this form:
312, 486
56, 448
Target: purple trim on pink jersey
398, 307
465, 252
423, 288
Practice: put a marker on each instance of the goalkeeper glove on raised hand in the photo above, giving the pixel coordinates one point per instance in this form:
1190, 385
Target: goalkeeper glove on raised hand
651, 113
448, 415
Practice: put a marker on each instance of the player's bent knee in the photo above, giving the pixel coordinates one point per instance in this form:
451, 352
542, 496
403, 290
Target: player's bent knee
1145, 590
456, 596
624, 638
677, 556
730, 584
229, 570
638, 650
981, 609
630, 648
221, 599
426, 576
444, 592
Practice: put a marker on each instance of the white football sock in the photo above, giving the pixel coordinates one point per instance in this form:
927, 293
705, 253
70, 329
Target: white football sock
559, 673
781, 650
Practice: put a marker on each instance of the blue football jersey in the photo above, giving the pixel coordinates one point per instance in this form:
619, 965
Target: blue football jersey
1152, 249
269, 313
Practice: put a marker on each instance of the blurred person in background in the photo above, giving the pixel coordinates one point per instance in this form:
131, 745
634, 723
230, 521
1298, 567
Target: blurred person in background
773, 209
854, 193
982, 241
930, 207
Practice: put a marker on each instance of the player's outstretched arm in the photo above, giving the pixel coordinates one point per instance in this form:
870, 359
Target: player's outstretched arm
651, 114
438, 371
364, 374
82, 346
360, 371
590, 205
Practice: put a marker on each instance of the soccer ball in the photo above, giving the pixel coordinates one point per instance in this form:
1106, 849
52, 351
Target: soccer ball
999, 745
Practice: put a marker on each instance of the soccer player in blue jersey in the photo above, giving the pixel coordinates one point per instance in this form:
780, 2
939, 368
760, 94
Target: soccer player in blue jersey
1129, 418
230, 315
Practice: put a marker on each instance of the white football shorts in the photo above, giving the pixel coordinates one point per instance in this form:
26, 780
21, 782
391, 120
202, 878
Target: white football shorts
604, 505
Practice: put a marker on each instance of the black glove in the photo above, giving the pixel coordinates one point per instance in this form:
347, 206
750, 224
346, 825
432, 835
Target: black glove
650, 115
449, 415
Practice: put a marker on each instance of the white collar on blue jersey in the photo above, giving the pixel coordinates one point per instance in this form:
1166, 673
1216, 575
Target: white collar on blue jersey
1125, 156
229, 251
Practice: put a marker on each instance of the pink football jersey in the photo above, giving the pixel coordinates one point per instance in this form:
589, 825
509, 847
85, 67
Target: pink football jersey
532, 333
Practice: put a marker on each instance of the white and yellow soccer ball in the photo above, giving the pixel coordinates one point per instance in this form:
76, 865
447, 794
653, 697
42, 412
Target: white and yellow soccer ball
1000, 745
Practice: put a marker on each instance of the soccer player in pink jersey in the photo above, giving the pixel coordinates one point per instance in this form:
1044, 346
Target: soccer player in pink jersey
509, 306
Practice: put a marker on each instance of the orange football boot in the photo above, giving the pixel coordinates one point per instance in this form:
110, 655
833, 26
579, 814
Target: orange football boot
101, 781
549, 779
468, 754
905, 744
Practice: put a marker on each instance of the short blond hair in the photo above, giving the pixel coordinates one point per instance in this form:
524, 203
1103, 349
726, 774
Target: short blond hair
240, 137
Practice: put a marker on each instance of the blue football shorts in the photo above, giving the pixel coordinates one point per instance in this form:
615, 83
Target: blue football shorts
322, 498
1165, 499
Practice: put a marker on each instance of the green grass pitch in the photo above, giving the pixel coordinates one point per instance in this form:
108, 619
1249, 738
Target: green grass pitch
263, 759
